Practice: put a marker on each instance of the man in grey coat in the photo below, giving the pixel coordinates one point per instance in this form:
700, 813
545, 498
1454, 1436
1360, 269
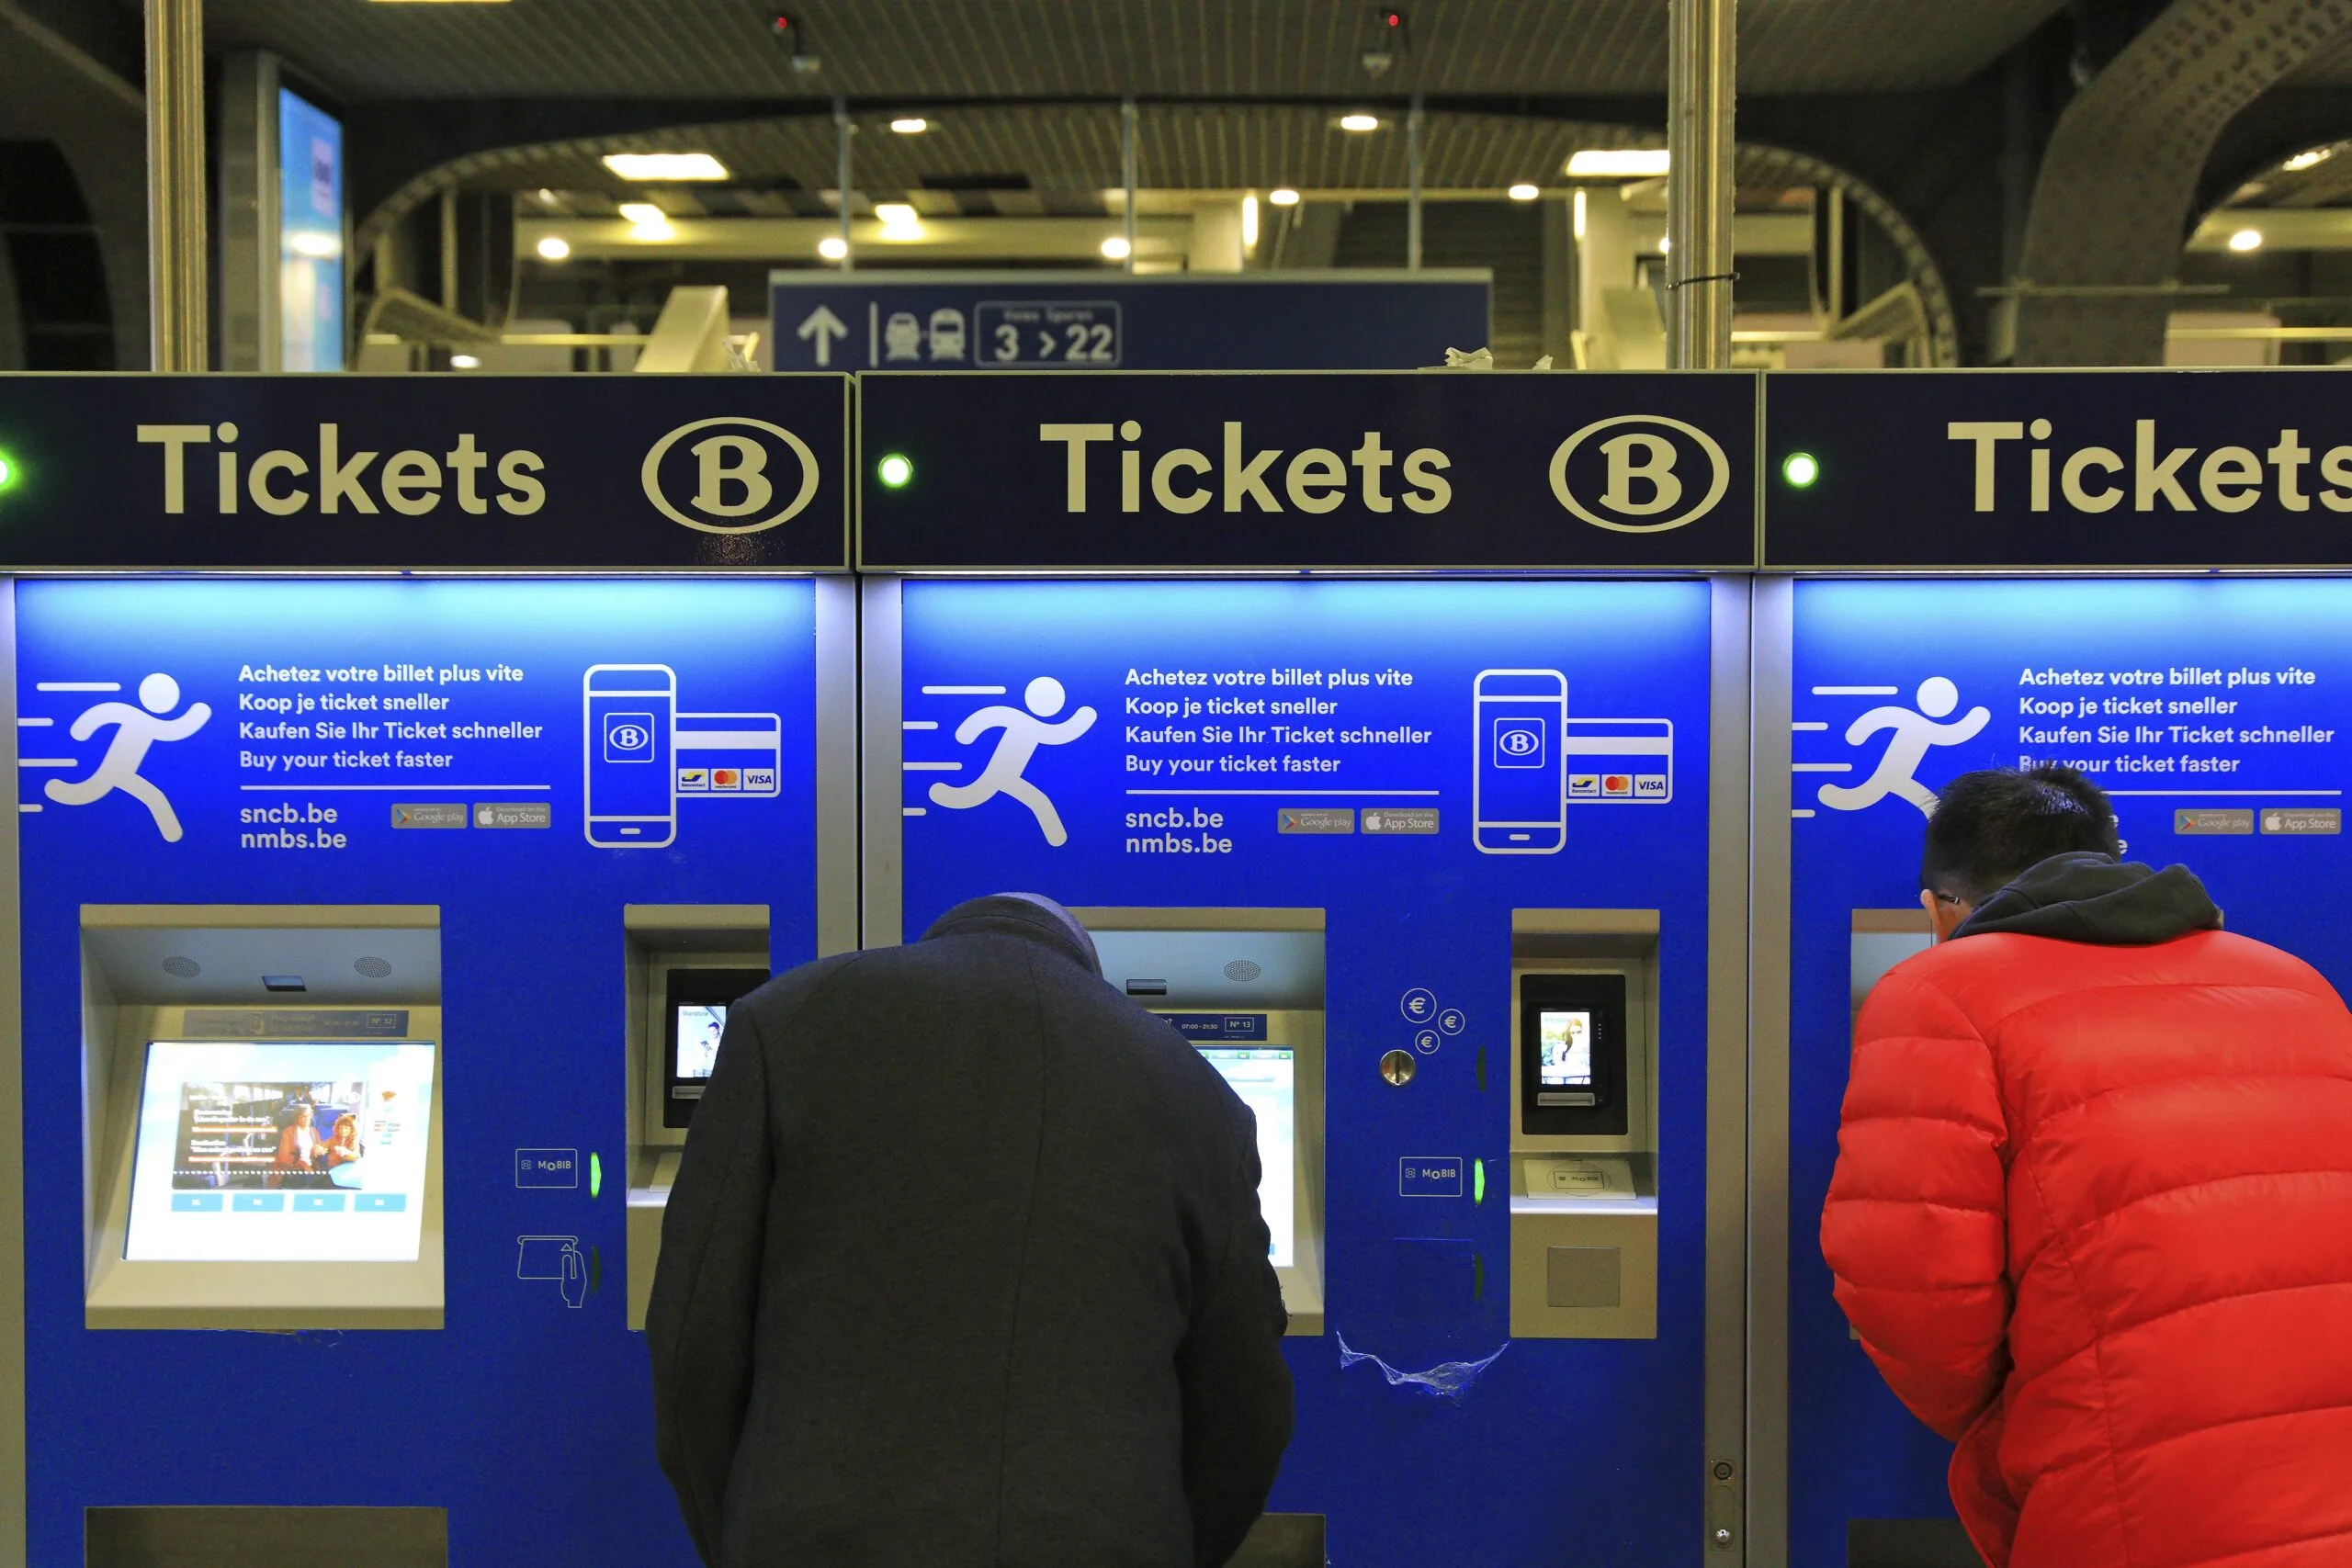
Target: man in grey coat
964, 1266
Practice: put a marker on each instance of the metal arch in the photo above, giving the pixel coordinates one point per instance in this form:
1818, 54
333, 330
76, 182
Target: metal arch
1919, 261
2120, 173
1521, 140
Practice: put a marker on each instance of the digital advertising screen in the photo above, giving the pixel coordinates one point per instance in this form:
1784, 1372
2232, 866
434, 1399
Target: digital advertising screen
281, 1153
1265, 1078
1567, 1057
310, 236
700, 1027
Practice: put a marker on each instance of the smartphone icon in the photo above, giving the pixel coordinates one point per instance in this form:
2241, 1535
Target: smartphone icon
631, 779
1519, 800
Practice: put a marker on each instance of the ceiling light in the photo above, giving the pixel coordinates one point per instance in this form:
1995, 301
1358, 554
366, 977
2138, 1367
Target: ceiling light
1115, 248
1283, 195
555, 248
832, 247
1359, 122
895, 214
2247, 240
464, 362
311, 243
1666, 244
1524, 192
647, 221
912, 125
1575, 206
2310, 160
546, 196
665, 165
1249, 222
1618, 163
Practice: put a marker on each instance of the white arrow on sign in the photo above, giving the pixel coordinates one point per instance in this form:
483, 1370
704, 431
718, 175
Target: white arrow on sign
823, 327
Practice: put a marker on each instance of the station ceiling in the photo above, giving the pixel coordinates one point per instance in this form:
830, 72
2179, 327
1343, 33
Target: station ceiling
949, 49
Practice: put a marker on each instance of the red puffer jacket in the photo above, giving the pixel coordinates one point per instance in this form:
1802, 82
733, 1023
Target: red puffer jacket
2092, 1218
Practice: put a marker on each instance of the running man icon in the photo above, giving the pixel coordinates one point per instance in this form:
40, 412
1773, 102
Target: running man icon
135, 731
1023, 733
1914, 734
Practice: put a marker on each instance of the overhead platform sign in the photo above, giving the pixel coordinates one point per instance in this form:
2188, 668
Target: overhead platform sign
1415, 471
1090, 321
454, 472
1967, 471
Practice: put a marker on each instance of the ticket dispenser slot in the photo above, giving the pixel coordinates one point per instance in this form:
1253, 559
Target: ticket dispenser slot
687, 963
1584, 1124
1245, 988
262, 1116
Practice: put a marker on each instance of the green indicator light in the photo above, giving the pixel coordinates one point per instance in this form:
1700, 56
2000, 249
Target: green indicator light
1800, 468
595, 1176
894, 470
1477, 1181
7, 471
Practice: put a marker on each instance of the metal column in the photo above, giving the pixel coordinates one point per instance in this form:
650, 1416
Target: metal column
843, 130
1128, 178
1413, 186
175, 243
1700, 95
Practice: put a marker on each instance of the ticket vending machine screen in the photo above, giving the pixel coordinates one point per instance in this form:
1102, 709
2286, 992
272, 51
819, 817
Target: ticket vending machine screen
1265, 1077
698, 1002
1572, 1045
281, 1151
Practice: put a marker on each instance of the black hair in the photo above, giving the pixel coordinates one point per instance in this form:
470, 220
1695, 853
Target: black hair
1990, 827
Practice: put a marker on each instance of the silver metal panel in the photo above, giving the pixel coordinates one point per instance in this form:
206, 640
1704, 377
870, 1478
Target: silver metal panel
837, 867
882, 749
13, 1544
1730, 740
1773, 698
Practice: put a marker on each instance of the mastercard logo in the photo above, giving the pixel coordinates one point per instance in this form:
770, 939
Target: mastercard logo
1616, 784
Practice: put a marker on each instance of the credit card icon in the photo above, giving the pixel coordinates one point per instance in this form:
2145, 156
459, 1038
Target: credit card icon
1621, 760
694, 779
739, 754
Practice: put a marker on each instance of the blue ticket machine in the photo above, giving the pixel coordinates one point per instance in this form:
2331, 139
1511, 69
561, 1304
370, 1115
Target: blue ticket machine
410, 773
1377, 725
2200, 692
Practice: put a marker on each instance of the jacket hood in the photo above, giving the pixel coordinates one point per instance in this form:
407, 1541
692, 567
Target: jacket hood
2085, 897
1031, 916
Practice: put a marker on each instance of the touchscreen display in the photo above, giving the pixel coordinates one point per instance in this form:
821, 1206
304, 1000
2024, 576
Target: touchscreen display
1566, 1059
1264, 1077
700, 1024
281, 1153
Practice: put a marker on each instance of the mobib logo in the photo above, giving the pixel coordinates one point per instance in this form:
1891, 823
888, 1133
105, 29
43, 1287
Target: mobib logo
1639, 473
730, 475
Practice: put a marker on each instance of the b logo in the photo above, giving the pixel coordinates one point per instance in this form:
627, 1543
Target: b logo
736, 478
628, 737
1642, 487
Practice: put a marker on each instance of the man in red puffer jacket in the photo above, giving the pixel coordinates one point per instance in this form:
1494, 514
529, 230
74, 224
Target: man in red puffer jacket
2092, 1215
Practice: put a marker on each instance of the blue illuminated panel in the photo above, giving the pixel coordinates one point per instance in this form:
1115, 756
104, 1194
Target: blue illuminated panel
2219, 716
1322, 745
286, 741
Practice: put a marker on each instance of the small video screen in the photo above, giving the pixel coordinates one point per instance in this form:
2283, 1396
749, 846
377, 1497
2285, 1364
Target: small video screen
281, 1153
700, 1027
1266, 1079
1564, 1057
